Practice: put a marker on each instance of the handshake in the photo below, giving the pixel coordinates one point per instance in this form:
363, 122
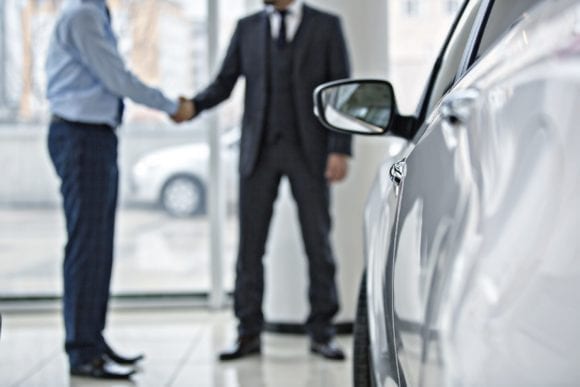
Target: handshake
185, 112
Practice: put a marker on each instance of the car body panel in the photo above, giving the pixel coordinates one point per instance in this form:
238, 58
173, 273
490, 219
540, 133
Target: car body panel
471, 203
516, 286
379, 217
477, 244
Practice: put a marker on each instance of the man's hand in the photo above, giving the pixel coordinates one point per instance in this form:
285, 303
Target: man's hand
336, 167
185, 112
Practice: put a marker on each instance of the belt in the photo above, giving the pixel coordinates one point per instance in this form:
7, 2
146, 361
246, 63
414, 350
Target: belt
55, 119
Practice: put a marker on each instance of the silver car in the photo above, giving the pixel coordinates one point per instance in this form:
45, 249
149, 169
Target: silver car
471, 234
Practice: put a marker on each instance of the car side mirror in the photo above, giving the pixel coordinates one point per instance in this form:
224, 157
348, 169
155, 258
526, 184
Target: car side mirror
358, 107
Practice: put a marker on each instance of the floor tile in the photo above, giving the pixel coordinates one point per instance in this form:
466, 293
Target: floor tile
181, 349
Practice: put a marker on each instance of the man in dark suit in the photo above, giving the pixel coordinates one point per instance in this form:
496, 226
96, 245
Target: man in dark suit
284, 52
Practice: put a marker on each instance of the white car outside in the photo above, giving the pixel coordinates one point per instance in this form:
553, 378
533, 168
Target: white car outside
177, 177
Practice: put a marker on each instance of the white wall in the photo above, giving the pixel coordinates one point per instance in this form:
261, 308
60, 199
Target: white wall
365, 25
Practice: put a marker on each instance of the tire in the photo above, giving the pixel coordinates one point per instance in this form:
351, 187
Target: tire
183, 196
362, 365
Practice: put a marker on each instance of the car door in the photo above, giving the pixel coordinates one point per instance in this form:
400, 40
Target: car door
381, 213
502, 142
510, 315
408, 259
436, 193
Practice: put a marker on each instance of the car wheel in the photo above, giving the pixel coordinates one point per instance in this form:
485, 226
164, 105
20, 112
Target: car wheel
183, 196
362, 365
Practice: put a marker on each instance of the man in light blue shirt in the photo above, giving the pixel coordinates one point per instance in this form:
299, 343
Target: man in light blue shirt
87, 81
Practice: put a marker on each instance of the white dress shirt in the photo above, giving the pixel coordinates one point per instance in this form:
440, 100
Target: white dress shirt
293, 19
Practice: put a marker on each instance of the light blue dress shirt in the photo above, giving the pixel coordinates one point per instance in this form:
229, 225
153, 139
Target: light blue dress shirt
86, 77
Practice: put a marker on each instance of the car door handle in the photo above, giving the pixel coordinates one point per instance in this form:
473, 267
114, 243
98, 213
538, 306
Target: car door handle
456, 108
398, 172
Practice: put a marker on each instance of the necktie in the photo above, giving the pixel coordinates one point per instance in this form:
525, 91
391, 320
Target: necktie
108, 12
282, 33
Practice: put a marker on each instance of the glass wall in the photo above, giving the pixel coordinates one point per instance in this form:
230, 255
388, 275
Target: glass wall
163, 233
425, 23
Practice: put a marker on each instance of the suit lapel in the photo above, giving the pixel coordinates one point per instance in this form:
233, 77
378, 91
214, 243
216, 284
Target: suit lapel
263, 38
263, 43
302, 40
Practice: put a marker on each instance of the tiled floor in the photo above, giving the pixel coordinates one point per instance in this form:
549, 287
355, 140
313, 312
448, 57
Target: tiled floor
180, 350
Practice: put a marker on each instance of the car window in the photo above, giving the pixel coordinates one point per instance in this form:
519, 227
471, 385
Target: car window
451, 59
503, 15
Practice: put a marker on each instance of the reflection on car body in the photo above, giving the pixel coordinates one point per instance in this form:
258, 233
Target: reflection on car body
470, 233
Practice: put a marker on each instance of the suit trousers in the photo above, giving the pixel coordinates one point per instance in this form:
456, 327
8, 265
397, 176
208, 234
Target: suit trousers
258, 193
85, 159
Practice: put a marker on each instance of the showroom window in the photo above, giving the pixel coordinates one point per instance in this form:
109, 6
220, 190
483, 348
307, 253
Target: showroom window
410, 64
412, 7
451, 6
163, 226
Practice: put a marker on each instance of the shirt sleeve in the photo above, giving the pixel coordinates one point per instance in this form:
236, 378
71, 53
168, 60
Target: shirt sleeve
88, 35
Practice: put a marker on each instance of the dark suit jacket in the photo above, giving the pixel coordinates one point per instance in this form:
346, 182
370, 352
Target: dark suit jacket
320, 56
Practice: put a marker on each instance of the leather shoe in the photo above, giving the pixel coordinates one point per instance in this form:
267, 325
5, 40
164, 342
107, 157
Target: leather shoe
328, 350
244, 346
123, 360
102, 368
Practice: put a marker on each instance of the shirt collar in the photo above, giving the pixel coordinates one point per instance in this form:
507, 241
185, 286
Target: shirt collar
294, 9
101, 4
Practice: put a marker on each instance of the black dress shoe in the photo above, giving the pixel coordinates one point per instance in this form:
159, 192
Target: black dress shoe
123, 360
328, 350
102, 368
244, 346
